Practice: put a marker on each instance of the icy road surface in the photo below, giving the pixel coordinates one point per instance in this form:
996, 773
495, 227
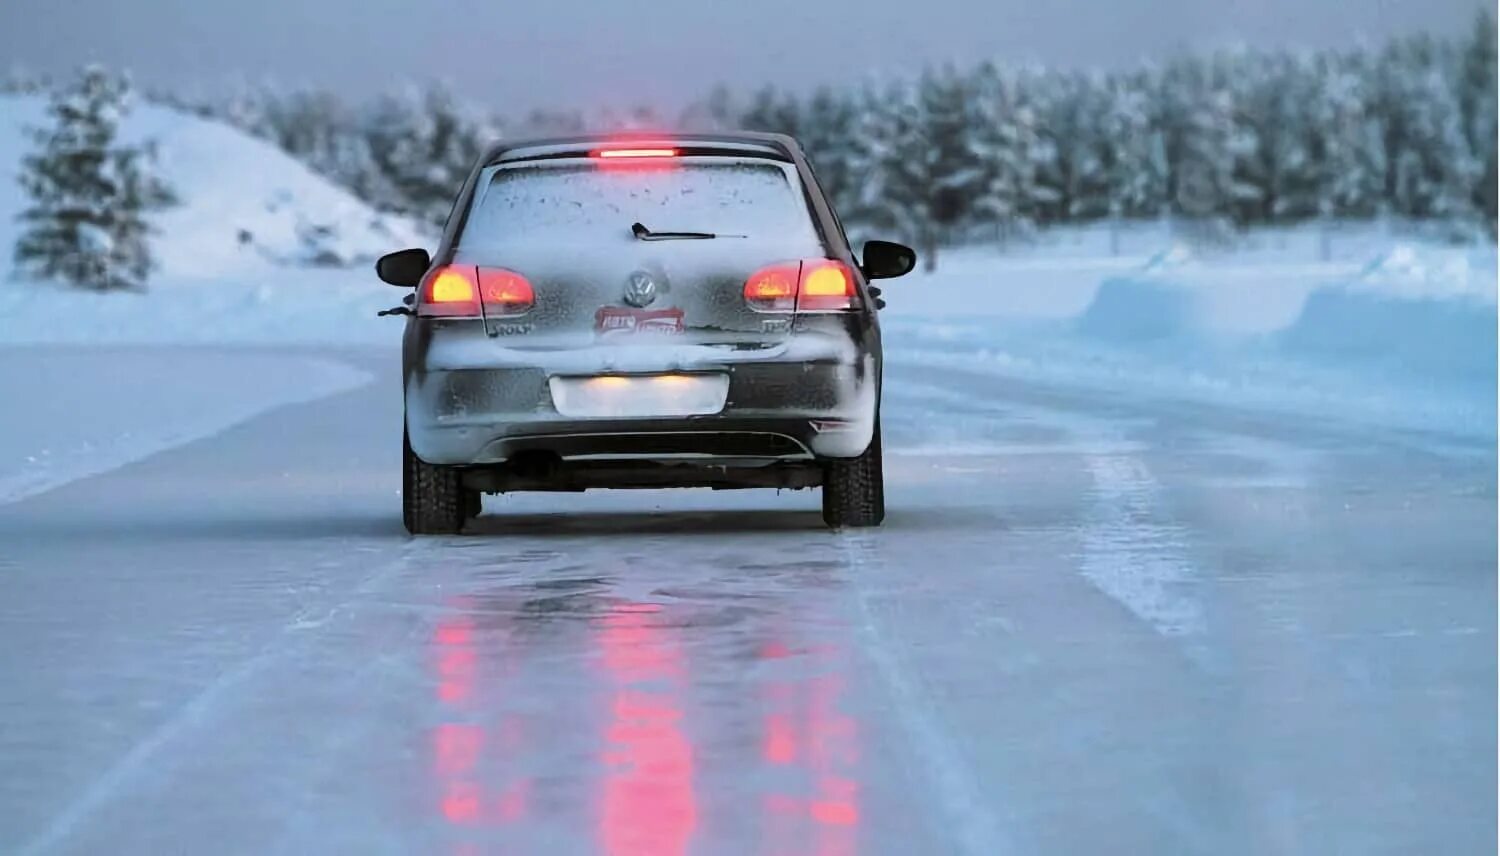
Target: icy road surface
1090, 625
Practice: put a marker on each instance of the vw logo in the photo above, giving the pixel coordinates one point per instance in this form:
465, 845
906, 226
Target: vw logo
640, 289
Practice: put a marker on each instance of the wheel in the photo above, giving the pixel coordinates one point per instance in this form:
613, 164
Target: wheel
854, 488
473, 504
433, 501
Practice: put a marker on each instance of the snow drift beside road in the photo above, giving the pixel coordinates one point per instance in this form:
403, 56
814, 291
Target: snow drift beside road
1399, 332
72, 413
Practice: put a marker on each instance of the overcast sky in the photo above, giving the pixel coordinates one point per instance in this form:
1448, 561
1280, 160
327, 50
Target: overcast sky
588, 53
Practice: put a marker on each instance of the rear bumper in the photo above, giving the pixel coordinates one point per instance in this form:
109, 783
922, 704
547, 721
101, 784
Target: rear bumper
775, 411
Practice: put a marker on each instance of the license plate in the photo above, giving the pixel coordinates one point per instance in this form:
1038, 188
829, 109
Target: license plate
623, 320
639, 396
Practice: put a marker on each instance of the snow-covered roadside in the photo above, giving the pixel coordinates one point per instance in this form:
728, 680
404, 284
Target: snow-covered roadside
1395, 332
72, 412
302, 306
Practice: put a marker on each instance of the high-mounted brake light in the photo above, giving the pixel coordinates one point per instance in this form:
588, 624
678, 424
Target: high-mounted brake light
636, 153
811, 285
455, 291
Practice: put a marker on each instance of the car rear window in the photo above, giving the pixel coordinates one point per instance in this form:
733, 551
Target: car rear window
586, 202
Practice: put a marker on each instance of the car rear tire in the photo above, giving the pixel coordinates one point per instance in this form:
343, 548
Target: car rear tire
433, 500
854, 488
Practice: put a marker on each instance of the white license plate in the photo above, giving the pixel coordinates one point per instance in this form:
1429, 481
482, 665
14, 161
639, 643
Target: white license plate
634, 396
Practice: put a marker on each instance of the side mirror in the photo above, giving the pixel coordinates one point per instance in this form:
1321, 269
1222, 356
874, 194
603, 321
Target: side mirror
404, 268
887, 260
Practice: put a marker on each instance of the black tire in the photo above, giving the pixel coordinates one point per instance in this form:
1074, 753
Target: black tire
433, 501
854, 488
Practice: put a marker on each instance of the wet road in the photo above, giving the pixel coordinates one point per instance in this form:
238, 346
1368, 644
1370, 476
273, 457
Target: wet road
1090, 624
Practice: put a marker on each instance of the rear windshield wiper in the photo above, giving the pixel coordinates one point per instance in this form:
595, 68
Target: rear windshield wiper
644, 234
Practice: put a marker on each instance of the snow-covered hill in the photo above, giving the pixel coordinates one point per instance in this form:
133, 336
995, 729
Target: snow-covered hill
259, 249
246, 207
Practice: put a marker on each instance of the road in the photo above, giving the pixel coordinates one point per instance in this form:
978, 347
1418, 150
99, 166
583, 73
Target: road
1091, 624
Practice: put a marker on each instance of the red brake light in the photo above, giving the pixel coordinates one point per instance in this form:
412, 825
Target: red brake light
774, 288
505, 292
455, 291
811, 285
826, 285
450, 291
658, 152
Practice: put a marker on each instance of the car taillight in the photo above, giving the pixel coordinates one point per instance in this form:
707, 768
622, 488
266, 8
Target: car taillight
450, 291
811, 285
774, 288
455, 291
827, 285
504, 292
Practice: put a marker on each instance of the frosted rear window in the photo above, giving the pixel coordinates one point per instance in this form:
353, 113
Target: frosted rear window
584, 202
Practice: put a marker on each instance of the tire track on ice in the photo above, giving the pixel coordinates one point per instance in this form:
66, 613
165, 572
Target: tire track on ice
195, 711
965, 810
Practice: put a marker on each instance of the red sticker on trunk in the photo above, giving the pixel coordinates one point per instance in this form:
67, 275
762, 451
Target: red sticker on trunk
618, 320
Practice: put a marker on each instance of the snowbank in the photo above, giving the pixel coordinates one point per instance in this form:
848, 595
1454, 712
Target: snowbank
298, 306
1444, 340
1406, 337
1429, 311
246, 207
72, 413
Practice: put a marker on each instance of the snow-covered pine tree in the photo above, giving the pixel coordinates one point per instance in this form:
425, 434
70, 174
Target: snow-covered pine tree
1205, 141
1477, 100
1273, 94
773, 111
1430, 169
1001, 140
89, 195
1075, 105
248, 107
950, 177
828, 123
424, 143
716, 111
1349, 149
1133, 153
890, 157
1037, 92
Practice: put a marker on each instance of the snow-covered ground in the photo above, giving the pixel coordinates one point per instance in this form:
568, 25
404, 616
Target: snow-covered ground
73, 412
1394, 328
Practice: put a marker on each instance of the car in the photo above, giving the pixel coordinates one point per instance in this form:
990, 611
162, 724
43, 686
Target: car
677, 310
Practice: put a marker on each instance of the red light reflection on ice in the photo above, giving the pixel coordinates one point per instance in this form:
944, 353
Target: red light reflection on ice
649, 807
804, 729
461, 746
455, 659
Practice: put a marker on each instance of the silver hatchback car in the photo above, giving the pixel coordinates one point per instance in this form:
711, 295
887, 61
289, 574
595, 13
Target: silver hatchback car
675, 311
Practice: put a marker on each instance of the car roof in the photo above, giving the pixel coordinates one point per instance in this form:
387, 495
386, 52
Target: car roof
776, 146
